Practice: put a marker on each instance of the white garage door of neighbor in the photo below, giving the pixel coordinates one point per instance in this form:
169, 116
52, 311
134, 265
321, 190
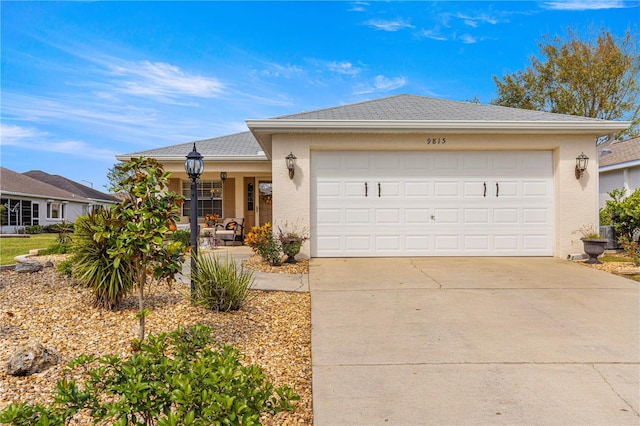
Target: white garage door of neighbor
420, 203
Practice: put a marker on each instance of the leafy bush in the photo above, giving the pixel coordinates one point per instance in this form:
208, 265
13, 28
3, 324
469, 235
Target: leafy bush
66, 268
221, 285
270, 250
175, 379
181, 236
93, 267
58, 248
57, 228
34, 229
623, 213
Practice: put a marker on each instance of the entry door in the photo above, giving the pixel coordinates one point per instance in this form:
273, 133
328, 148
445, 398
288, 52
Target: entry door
265, 194
491, 203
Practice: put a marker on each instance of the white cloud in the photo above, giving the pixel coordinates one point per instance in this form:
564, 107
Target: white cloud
16, 135
381, 83
275, 70
359, 6
432, 34
345, 68
468, 39
584, 4
391, 26
36, 140
162, 80
475, 20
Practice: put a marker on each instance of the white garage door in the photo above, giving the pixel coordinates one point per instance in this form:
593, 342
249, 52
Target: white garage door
416, 203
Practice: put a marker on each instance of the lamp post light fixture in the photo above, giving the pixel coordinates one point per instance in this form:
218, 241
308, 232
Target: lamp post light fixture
582, 161
194, 166
291, 164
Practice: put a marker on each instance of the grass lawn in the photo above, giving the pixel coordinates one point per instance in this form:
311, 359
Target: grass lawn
12, 247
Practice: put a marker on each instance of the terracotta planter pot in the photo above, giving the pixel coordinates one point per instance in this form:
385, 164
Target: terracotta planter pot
594, 247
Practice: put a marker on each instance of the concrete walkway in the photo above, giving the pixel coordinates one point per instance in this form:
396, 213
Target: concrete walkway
453, 341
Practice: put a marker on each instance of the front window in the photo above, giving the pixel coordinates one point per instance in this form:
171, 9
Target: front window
55, 210
18, 212
209, 198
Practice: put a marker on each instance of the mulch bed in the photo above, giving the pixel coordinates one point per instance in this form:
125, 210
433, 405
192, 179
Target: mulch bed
273, 331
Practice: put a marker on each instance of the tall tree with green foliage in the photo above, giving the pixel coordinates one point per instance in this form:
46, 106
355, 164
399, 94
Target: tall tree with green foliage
598, 78
144, 217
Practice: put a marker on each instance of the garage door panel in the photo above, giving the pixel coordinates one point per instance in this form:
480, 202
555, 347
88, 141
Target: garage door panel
450, 189
331, 217
477, 243
358, 217
387, 189
432, 203
506, 243
476, 216
536, 216
474, 189
329, 190
417, 216
535, 189
416, 189
355, 189
387, 216
506, 216
505, 189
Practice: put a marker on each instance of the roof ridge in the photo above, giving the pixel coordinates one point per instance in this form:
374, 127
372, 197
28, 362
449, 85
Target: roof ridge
346, 105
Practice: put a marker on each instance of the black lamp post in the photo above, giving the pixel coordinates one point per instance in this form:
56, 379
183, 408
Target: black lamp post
194, 166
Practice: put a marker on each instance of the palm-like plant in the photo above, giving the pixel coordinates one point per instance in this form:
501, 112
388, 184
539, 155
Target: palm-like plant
93, 267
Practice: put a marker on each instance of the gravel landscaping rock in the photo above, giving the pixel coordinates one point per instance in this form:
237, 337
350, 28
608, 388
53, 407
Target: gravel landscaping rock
273, 331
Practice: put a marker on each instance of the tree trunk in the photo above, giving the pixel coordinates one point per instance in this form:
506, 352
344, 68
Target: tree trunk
141, 283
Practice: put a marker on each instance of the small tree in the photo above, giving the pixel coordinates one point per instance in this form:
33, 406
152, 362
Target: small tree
144, 218
597, 78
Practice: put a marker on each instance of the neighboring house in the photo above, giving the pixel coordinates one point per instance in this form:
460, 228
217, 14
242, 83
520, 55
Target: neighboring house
406, 176
619, 167
44, 201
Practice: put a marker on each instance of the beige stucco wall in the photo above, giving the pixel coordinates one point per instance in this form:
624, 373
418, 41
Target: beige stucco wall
576, 201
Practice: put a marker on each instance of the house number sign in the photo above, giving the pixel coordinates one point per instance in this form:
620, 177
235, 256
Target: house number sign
436, 141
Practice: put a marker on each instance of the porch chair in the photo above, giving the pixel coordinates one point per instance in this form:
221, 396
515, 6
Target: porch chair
231, 229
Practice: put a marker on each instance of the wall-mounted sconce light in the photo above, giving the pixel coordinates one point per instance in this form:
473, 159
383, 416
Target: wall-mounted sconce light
581, 165
291, 164
223, 176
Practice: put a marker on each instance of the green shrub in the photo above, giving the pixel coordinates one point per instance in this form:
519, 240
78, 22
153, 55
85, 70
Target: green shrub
34, 229
623, 213
270, 249
181, 236
66, 268
221, 285
174, 379
57, 228
93, 267
58, 248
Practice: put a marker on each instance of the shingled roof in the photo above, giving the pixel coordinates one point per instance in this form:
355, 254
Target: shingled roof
15, 183
236, 146
70, 186
412, 107
620, 152
399, 112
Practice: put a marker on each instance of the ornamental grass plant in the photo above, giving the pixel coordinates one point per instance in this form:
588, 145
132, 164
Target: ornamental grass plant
221, 285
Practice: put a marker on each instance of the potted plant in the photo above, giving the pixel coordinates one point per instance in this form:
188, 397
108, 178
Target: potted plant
291, 242
593, 243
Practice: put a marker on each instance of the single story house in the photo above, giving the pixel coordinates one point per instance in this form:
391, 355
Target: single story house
619, 167
38, 198
406, 176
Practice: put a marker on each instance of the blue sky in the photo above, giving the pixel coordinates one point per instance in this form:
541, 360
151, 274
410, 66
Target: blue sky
84, 81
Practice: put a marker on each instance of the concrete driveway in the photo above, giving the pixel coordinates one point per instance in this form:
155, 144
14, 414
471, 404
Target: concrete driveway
466, 341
